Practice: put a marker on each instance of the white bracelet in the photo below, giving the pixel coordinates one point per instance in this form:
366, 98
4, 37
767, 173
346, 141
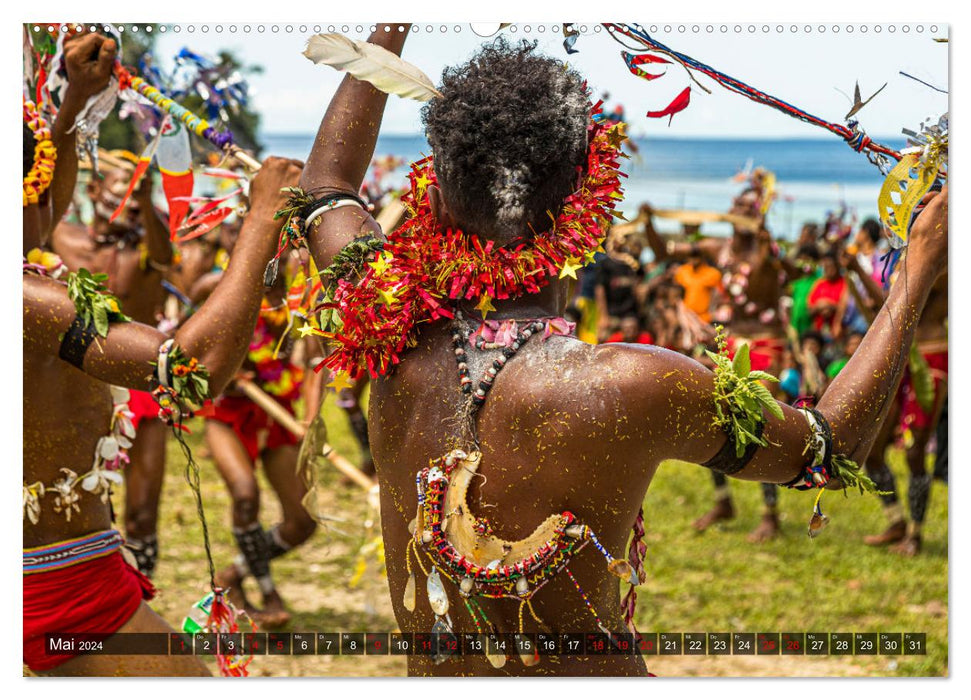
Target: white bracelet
330, 205
163, 362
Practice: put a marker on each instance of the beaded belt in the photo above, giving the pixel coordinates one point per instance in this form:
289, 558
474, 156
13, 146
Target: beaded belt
59, 555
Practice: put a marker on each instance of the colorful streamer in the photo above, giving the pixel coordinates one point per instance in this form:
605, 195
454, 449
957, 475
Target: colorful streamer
174, 158
193, 122
878, 154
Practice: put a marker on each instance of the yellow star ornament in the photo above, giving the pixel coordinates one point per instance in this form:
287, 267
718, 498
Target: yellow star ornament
340, 381
421, 184
485, 305
616, 135
381, 263
387, 296
570, 268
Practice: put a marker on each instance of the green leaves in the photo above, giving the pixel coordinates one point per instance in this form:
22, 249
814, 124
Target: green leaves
742, 364
351, 258
93, 302
852, 475
740, 397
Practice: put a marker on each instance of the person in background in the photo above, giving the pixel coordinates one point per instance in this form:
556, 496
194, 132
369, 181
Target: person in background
807, 258
617, 287
853, 341
631, 332
808, 236
866, 248
828, 298
699, 280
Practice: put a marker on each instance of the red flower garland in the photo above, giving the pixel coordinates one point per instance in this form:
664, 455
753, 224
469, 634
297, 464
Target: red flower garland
421, 267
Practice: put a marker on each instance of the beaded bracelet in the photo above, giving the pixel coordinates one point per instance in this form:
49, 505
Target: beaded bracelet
819, 471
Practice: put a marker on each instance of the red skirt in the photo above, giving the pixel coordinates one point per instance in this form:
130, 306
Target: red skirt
250, 422
142, 405
95, 596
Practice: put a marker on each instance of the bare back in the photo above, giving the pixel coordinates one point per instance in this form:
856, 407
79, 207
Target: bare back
554, 436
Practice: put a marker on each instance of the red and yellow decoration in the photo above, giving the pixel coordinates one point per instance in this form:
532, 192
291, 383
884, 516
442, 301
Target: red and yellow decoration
39, 178
422, 267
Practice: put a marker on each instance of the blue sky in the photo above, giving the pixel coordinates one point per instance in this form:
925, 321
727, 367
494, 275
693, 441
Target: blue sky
807, 68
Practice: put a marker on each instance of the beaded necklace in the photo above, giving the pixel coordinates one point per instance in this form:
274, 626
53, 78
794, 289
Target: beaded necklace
462, 547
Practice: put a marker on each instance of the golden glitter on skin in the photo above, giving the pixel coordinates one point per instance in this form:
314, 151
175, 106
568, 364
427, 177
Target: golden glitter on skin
66, 410
554, 417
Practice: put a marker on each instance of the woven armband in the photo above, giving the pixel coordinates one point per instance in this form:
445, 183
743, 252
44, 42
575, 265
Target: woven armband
727, 461
76, 341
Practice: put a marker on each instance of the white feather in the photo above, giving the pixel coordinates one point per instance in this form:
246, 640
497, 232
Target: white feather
374, 64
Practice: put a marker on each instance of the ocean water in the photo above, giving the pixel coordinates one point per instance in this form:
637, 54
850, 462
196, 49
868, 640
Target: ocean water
813, 176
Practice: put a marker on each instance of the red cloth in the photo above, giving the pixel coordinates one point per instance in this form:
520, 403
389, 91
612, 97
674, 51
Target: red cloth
643, 338
142, 405
96, 596
824, 289
912, 414
249, 420
765, 354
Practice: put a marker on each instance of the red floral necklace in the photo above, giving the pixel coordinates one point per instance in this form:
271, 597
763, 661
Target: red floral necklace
420, 267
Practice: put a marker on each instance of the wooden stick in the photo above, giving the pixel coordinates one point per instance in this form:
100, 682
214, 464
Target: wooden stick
244, 158
693, 217
391, 216
286, 419
107, 158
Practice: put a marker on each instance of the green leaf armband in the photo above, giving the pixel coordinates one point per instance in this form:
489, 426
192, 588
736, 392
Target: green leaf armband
740, 403
95, 305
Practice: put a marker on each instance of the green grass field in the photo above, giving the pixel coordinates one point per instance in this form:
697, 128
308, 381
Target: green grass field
715, 582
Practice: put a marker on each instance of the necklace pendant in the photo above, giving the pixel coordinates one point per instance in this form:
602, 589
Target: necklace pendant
270, 273
437, 597
528, 656
495, 658
409, 597
444, 640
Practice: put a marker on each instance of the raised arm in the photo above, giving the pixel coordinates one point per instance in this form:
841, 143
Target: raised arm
669, 390
89, 60
343, 150
667, 248
217, 335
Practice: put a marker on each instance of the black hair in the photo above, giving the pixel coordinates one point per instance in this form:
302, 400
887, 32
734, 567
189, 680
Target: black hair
814, 335
873, 229
808, 251
509, 136
30, 144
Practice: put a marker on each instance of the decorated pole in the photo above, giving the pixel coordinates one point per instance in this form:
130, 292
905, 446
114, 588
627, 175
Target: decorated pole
223, 140
286, 419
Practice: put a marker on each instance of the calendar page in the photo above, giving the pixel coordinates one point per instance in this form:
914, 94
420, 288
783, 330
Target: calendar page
355, 349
